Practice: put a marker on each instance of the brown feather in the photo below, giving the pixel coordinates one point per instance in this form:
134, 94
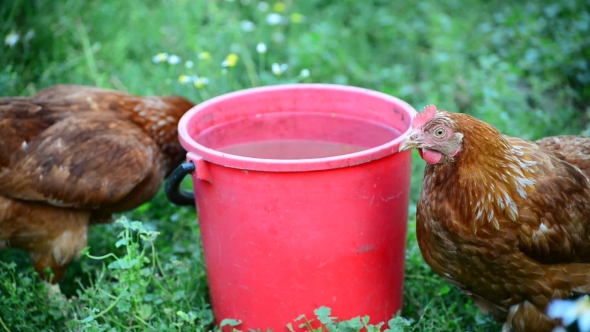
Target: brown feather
71, 156
573, 149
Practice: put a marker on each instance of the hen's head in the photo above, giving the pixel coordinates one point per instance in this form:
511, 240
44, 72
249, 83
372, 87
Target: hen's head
434, 133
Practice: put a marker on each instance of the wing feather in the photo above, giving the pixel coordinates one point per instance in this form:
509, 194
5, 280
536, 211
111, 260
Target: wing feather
555, 218
573, 149
71, 162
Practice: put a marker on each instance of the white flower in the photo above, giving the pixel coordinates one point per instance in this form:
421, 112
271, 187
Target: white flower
278, 69
30, 34
261, 48
11, 39
184, 79
160, 57
201, 82
304, 73
174, 59
569, 311
247, 26
262, 6
274, 18
189, 64
564, 309
584, 322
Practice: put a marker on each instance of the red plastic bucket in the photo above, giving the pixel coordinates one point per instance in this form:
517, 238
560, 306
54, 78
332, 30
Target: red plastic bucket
282, 237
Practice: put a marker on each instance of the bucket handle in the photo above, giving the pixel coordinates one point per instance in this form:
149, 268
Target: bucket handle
172, 187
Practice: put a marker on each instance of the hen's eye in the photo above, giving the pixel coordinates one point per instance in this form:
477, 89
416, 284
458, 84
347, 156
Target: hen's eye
440, 132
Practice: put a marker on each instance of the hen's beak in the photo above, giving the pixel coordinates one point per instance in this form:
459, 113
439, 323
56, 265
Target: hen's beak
411, 142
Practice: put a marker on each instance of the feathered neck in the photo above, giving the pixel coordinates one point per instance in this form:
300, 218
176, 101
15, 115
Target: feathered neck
489, 176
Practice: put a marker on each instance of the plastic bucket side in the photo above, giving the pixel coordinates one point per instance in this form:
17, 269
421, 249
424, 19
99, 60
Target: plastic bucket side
281, 244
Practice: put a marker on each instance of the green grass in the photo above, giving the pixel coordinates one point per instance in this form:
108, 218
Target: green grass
522, 66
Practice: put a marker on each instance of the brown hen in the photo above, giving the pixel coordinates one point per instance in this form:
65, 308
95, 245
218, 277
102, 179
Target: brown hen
504, 219
70, 156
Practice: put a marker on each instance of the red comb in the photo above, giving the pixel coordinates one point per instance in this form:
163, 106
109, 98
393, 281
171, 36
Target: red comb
424, 117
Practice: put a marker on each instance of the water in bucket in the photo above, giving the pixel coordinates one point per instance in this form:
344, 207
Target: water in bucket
286, 136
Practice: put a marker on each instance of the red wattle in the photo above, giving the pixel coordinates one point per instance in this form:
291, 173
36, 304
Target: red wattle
430, 156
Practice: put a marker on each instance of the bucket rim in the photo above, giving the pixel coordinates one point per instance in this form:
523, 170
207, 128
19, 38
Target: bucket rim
291, 165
